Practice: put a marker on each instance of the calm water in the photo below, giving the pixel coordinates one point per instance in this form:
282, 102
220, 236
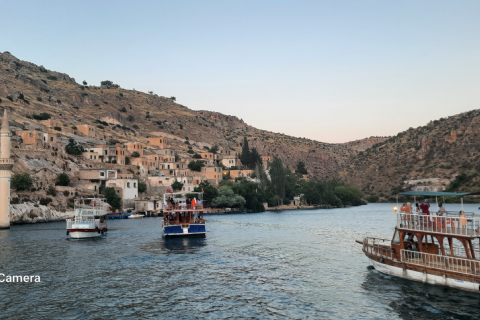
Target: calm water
277, 265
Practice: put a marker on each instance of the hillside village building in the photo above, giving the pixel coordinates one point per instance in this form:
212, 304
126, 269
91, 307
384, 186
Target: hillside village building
87, 130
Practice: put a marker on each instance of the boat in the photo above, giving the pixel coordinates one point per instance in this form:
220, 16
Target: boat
135, 216
89, 220
432, 249
182, 218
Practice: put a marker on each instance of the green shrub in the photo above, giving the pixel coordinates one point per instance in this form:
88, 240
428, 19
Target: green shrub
10, 98
105, 102
84, 94
58, 101
51, 190
135, 154
73, 148
190, 151
66, 193
41, 116
74, 127
45, 201
123, 109
100, 126
52, 78
63, 180
57, 128
109, 84
75, 107
38, 99
21, 181
15, 200
96, 105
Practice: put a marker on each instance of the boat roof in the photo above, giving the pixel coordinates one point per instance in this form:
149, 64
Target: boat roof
437, 194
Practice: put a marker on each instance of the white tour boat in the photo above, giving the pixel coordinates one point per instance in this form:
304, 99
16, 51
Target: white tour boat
90, 219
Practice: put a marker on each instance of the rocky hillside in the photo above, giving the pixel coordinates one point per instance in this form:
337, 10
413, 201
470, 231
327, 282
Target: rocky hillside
27, 89
425, 158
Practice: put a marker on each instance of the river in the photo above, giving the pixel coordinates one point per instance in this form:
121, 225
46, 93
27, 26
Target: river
273, 265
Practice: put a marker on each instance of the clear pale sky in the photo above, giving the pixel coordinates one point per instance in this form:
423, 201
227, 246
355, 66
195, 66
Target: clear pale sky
332, 71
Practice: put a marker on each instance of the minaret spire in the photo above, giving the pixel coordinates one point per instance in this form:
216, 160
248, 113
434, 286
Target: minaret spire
6, 165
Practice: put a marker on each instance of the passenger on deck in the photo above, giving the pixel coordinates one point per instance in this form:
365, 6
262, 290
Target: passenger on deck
424, 207
462, 221
413, 246
417, 207
442, 210
408, 208
403, 208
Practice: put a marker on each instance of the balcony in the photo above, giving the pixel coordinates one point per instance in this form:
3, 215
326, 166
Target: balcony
451, 224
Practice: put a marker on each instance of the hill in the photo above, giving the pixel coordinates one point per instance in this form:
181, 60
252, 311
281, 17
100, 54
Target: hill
130, 115
424, 158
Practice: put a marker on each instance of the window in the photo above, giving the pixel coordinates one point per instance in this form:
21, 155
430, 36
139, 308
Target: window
44, 139
128, 184
91, 157
106, 152
134, 184
31, 134
51, 139
102, 174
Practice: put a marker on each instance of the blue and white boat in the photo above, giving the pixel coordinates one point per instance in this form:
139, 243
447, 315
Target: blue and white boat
183, 217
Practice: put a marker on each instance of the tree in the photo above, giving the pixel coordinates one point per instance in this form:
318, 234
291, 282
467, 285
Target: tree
177, 185
177, 157
190, 151
173, 98
123, 109
73, 148
21, 181
277, 176
301, 168
112, 198
41, 116
135, 154
214, 149
228, 198
197, 156
245, 155
255, 158
130, 118
209, 191
85, 83
63, 180
142, 186
349, 195
196, 165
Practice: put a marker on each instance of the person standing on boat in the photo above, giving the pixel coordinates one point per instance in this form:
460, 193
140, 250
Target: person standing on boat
424, 207
442, 210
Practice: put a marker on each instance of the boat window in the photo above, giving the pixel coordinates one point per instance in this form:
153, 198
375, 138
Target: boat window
396, 238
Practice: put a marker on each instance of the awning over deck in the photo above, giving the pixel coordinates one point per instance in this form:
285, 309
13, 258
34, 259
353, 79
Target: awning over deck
437, 194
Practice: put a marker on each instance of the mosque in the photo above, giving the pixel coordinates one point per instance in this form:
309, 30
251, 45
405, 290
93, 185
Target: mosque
6, 165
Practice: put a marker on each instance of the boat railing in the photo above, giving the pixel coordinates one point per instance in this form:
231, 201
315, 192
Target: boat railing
446, 263
378, 247
460, 226
80, 222
181, 207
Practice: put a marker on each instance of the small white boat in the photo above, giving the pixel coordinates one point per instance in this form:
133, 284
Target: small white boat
90, 219
135, 216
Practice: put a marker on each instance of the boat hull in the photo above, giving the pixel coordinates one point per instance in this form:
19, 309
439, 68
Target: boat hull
425, 277
86, 233
177, 231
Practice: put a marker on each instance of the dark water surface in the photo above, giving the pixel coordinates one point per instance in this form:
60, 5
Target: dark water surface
275, 265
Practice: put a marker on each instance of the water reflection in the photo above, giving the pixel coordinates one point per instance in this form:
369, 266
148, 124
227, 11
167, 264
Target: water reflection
415, 300
182, 245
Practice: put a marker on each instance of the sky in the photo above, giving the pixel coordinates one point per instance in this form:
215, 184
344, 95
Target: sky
332, 71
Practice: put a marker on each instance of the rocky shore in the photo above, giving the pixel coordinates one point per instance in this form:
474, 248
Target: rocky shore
35, 213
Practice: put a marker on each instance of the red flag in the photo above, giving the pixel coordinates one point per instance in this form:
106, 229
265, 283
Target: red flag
168, 190
94, 203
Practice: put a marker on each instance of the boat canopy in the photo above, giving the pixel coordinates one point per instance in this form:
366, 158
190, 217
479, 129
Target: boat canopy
437, 194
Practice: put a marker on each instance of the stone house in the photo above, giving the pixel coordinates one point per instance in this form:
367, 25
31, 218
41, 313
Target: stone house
132, 147
32, 139
51, 123
158, 141
87, 130
214, 174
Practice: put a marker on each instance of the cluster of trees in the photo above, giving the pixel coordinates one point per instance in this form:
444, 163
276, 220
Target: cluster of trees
109, 84
196, 165
249, 157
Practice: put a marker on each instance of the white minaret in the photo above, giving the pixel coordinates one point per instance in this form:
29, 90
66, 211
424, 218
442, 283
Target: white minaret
6, 165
